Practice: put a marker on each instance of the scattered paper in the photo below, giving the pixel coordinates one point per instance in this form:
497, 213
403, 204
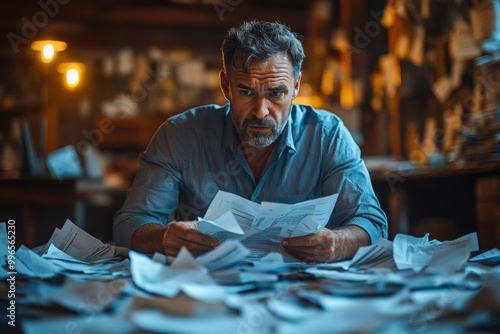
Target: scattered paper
156, 321
333, 274
449, 256
412, 252
160, 258
292, 308
30, 264
98, 295
228, 253
238, 276
77, 243
377, 255
490, 256
271, 263
434, 256
4, 244
105, 269
96, 323
168, 281
204, 293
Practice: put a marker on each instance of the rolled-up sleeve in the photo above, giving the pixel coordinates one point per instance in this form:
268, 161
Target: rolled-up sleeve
346, 173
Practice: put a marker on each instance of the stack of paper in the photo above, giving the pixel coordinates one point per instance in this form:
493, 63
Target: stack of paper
187, 274
433, 256
71, 251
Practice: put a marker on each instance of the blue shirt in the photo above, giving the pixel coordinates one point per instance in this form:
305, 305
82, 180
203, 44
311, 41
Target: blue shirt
195, 154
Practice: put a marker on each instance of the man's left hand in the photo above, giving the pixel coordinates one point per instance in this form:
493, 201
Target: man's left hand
319, 247
327, 245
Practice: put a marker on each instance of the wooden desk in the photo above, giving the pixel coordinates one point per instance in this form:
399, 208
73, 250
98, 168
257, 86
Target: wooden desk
443, 194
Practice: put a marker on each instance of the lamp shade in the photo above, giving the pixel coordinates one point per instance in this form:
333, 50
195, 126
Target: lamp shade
48, 48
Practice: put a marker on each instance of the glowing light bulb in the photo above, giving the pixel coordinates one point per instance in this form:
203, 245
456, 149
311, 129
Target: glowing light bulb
72, 77
72, 73
48, 48
48, 53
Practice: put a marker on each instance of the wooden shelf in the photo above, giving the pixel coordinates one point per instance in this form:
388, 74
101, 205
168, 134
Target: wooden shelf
132, 133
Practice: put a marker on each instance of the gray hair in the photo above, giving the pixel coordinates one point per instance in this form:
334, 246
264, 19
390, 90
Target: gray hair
260, 41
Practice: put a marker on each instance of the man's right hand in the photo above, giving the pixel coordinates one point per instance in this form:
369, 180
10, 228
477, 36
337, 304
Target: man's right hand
184, 233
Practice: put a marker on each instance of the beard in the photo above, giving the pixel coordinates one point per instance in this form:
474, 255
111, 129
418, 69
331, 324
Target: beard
258, 138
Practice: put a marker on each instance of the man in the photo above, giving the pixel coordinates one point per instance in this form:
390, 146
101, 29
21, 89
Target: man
260, 146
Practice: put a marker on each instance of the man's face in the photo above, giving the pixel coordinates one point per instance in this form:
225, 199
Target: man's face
261, 99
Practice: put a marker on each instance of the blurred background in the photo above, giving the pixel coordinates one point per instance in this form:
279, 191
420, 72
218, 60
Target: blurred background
85, 84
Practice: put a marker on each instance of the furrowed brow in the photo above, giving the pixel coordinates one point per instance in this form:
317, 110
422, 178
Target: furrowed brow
241, 86
280, 88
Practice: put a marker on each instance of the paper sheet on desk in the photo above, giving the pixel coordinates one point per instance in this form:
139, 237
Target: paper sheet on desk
164, 280
433, 256
31, 264
186, 274
268, 221
490, 256
378, 255
4, 244
227, 254
103, 269
378, 258
80, 245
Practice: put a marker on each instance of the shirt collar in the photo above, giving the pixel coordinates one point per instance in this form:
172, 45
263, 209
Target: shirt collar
230, 139
286, 138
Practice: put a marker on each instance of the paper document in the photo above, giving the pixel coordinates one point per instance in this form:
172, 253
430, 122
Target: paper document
490, 256
277, 220
4, 244
220, 228
71, 266
373, 256
31, 264
77, 243
261, 227
433, 256
167, 281
225, 255
187, 274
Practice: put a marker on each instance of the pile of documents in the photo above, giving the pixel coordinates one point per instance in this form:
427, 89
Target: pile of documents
70, 251
231, 288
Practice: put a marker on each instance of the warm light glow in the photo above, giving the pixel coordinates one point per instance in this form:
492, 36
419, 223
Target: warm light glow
48, 48
307, 96
72, 73
346, 94
48, 53
72, 77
